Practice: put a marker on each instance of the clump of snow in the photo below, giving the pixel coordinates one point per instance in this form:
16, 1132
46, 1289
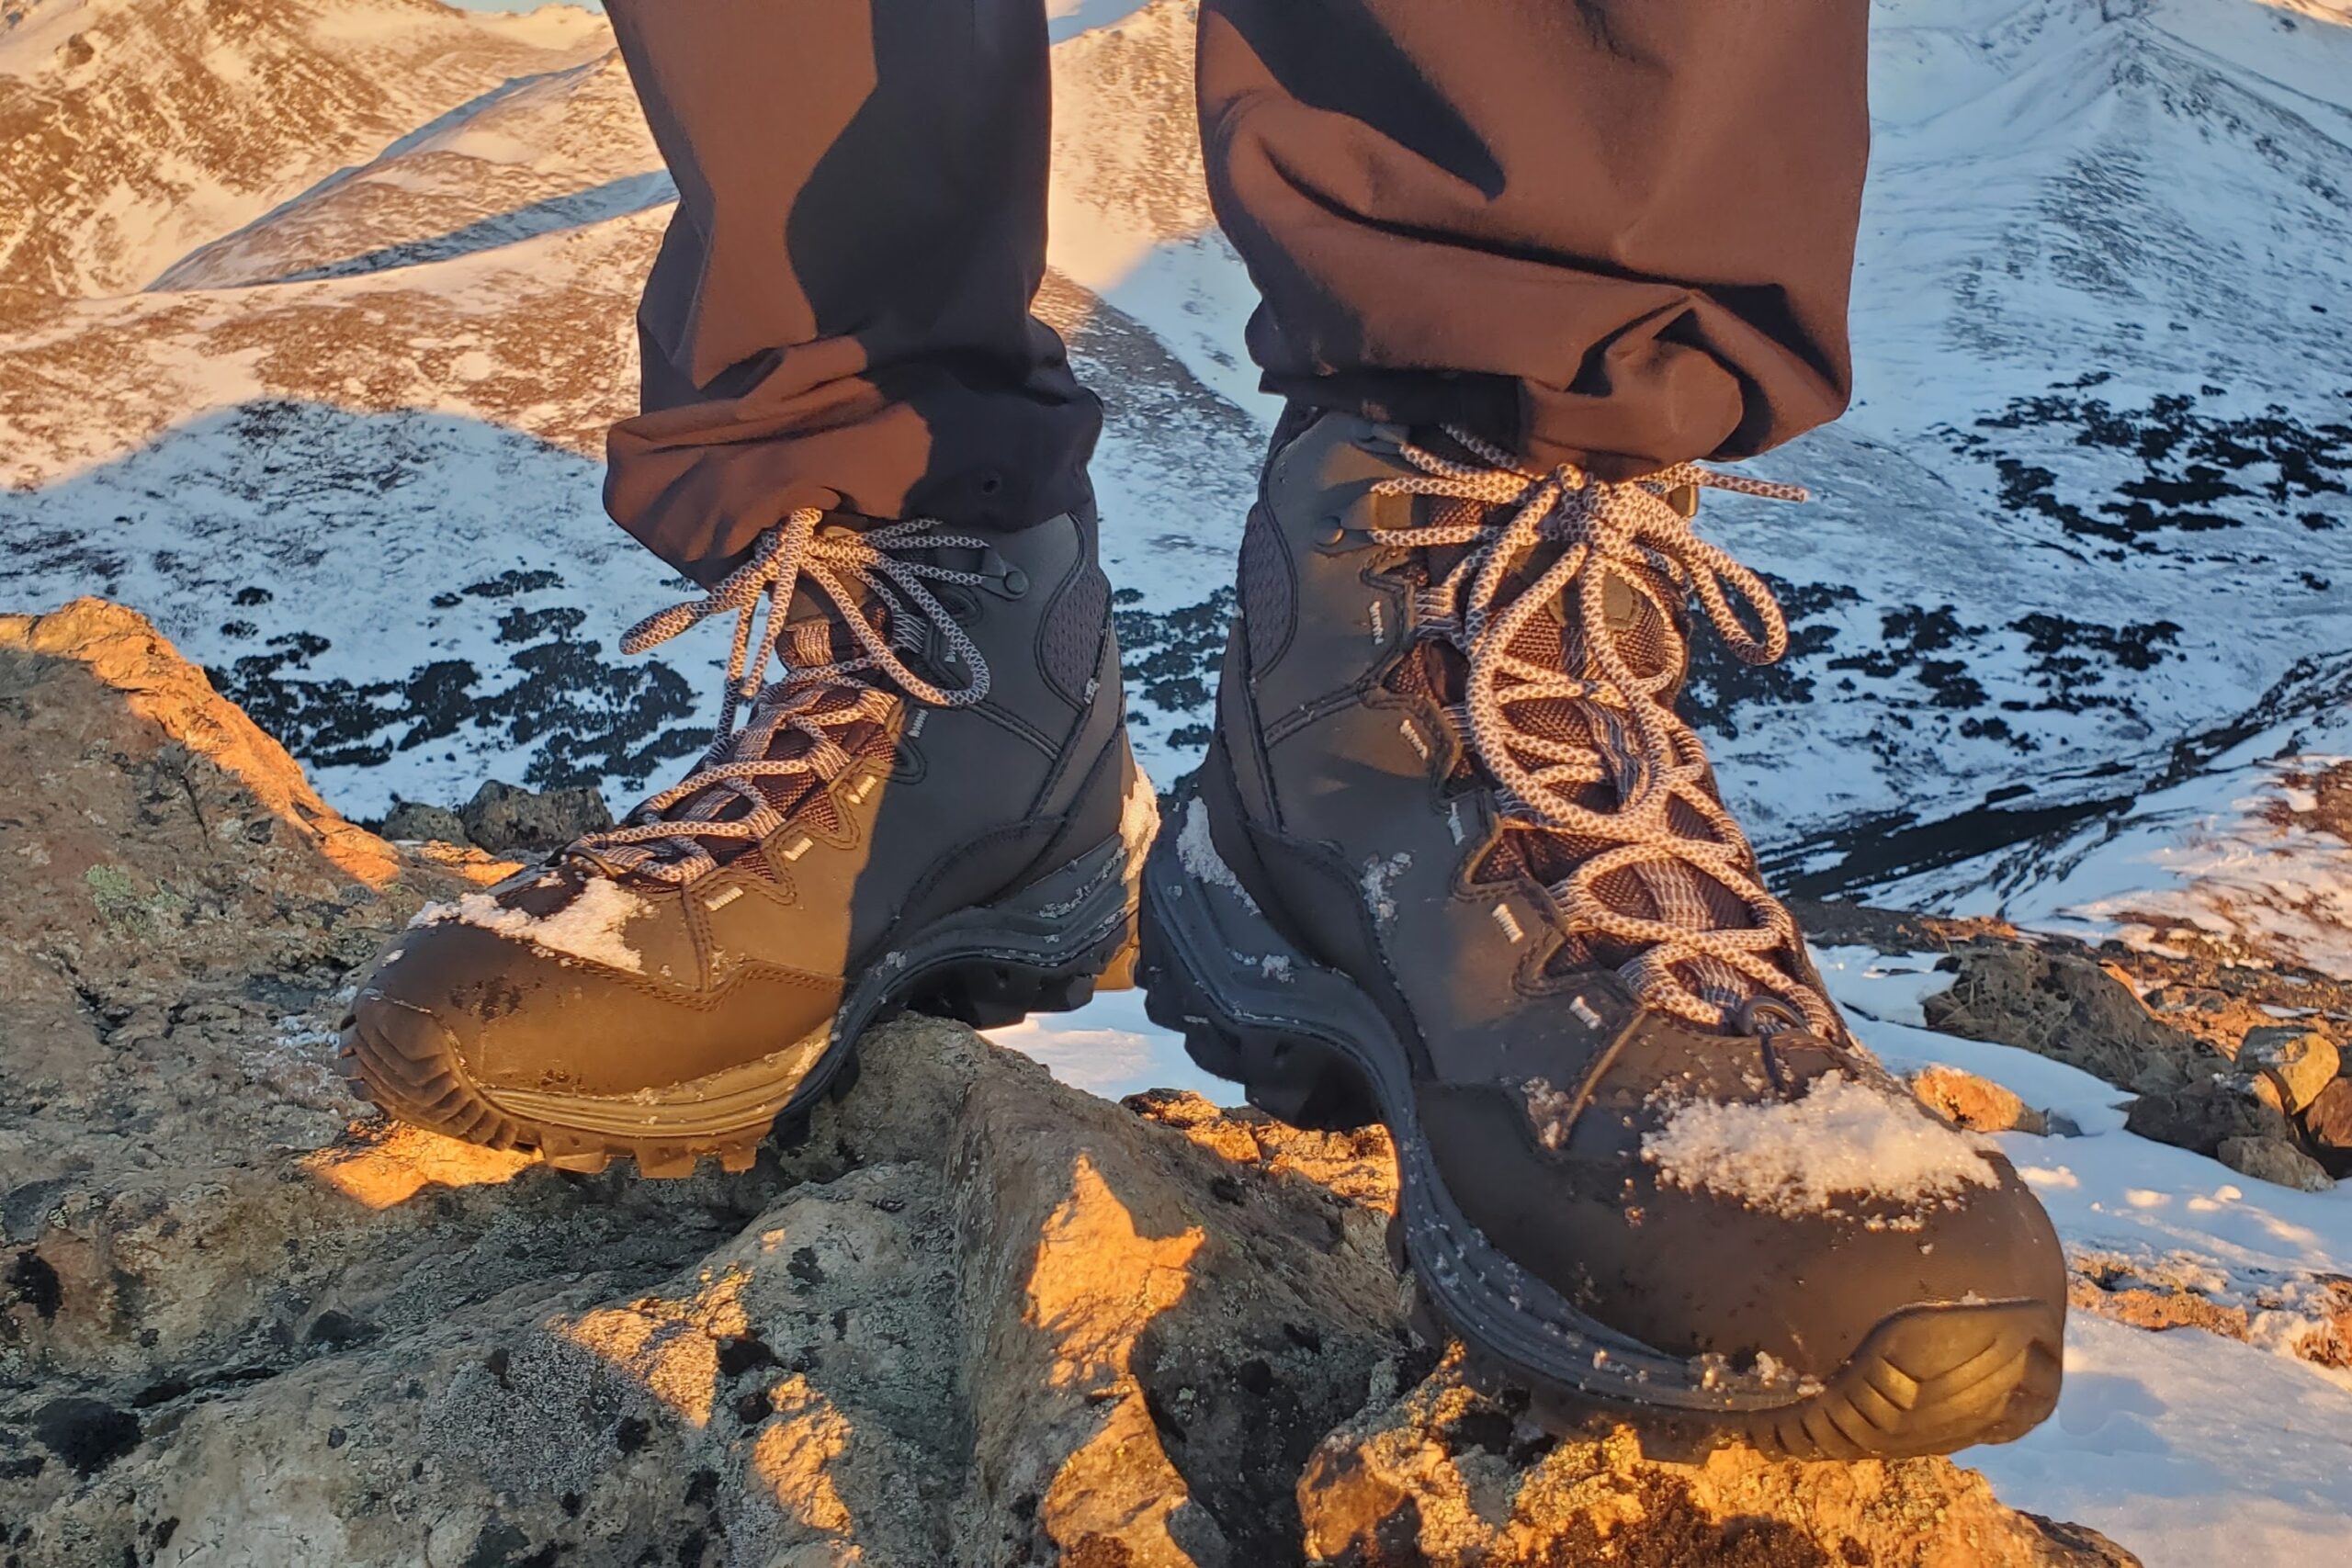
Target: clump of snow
1842, 1140
588, 928
1197, 850
1380, 876
1551, 1112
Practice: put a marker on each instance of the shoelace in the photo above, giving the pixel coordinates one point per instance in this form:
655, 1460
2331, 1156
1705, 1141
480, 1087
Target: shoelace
1654, 760
670, 845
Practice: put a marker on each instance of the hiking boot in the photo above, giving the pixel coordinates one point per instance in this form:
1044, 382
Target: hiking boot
934, 805
1453, 863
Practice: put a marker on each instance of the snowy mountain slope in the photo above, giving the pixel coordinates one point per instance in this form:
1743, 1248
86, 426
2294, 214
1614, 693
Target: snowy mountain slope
2103, 321
2244, 852
552, 152
370, 505
2098, 410
135, 128
1128, 215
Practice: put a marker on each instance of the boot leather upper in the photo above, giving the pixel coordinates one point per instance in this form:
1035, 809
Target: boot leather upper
944, 808
1329, 793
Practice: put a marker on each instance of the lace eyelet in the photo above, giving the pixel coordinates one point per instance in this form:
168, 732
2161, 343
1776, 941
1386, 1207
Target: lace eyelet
1757, 1015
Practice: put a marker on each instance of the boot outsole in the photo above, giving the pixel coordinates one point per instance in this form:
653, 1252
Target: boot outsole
1929, 1379
405, 1063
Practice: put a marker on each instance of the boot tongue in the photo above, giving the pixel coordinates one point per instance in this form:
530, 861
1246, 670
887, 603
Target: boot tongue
1642, 606
815, 635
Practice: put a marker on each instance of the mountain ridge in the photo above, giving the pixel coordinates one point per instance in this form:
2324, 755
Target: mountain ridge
2093, 404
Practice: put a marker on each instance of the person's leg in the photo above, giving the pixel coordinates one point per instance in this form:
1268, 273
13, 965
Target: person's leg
1613, 231
839, 317
1522, 260
931, 802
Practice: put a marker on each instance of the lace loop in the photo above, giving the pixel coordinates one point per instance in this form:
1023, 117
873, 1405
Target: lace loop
1688, 963
816, 693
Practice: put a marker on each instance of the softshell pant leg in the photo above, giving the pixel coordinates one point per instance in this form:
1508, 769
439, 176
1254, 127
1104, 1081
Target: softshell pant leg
839, 316
1612, 231
1618, 233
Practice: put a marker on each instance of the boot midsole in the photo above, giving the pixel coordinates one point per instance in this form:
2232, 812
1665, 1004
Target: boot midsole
1051, 925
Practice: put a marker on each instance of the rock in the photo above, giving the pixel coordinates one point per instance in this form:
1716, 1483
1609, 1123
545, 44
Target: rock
1447, 1478
2202, 1115
2067, 1008
477, 866
2302, 1061
2261, 1087
414, 822
2214, 1016
2308, 1316
507, 819
973, 1316
1840, 923
1978, 1104
1361, 1165
2274, 1159
2328, 1120
2123, 1290
158, 692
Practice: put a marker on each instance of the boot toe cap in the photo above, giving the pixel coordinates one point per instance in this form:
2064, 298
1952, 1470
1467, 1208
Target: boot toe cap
1694, 1270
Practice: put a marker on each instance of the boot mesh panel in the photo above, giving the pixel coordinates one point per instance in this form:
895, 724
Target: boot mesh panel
1266, 592
1071, 640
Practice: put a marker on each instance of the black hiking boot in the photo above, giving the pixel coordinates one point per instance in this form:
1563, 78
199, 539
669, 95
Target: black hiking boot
1455, 864
934, 807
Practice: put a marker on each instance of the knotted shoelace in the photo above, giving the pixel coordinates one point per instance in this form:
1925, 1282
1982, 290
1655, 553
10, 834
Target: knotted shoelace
1688, 963
668, 836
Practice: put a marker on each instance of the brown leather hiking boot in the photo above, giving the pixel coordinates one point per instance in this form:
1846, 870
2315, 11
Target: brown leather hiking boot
933, 807
1455, 865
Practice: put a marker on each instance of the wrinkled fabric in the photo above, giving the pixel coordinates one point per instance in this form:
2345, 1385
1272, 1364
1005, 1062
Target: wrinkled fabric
1616, 233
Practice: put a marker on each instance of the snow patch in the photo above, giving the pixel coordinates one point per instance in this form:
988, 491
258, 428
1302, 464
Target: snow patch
588, 928
1197, 850
1842, 1140
1380, 875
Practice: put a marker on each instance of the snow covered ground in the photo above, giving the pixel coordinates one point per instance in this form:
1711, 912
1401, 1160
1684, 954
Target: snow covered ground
2190, 1448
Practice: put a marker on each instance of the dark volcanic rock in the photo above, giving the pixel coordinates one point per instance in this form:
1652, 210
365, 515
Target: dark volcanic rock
2204, 1114
412, 821
507, 819
2067, 1008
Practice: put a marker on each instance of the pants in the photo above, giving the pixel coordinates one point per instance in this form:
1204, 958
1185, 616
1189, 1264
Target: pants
1615, 232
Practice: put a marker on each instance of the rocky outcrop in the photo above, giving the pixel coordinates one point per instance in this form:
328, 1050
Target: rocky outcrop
973, 1317
2067, 1007
503, 819
1447, 1477
2212, 1072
